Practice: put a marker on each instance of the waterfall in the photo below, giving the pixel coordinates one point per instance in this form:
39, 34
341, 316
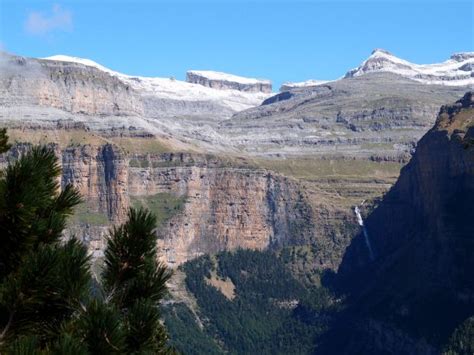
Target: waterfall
364, 230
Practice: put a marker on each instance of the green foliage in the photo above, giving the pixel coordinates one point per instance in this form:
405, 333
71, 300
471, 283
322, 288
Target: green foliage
99, 326
135, 282
186, 334
270, 312
32, 211
70, 345
41, 279
49, 303
45, 289
4, 146
25, 345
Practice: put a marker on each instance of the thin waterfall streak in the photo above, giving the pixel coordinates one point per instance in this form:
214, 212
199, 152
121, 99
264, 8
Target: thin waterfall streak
364, 230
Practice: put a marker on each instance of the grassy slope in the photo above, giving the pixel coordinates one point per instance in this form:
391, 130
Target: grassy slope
163, 205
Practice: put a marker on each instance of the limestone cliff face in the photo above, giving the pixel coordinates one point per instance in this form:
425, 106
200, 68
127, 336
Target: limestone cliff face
67, 86
101, 175
224, 81
225, 207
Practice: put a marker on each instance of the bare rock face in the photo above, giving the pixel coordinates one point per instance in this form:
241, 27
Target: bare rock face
221, 207
223, 81
422, 236
381, 114
66, 86
225, 207
48, 92
101, 175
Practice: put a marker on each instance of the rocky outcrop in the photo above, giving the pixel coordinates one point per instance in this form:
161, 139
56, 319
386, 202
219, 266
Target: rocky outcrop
382, 114
222, 207
224, 81
66, 86
303, 84
44, 92
379, 114
101, 176
225, 207
422, 236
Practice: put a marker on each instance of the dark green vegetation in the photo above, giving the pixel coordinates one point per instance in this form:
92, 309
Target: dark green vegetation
4, 146
49, 301
185, 333
271, 311
163, 205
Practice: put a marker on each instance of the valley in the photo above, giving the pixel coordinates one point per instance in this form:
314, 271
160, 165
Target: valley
265, 201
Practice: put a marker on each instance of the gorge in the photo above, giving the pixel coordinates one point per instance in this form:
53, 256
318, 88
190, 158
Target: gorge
227, 165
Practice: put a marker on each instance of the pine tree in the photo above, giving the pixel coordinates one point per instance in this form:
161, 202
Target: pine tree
126, 319
4, 146
42, 279
46, 302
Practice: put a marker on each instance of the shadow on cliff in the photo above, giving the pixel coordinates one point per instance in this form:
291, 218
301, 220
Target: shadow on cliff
420, 285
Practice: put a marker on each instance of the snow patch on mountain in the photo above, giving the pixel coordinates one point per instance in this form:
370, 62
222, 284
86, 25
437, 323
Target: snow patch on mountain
456, 71
214, 75
289, 85
170, 88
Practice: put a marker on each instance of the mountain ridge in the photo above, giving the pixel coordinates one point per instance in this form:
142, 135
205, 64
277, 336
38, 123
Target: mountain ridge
456, 71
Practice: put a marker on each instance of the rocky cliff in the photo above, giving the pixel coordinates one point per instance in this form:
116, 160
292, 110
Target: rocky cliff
224, 81
204, 204
223, 207
420, 278
66, 86
369, 116
68, 90
376, 116
101, 176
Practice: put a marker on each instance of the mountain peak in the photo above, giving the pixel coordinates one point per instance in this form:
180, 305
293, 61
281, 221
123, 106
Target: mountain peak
462, 56
457, 71
380, 50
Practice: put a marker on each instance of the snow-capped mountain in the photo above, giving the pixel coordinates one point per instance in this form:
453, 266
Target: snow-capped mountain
289, 85
456, 71
225, 81
170, 88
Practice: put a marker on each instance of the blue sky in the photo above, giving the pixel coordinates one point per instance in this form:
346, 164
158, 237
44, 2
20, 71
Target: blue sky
279, 40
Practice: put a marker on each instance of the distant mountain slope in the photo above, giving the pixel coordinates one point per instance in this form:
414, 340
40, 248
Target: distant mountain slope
169, 88
456, 71
64, 91
224, 81
422, 235
378, 115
